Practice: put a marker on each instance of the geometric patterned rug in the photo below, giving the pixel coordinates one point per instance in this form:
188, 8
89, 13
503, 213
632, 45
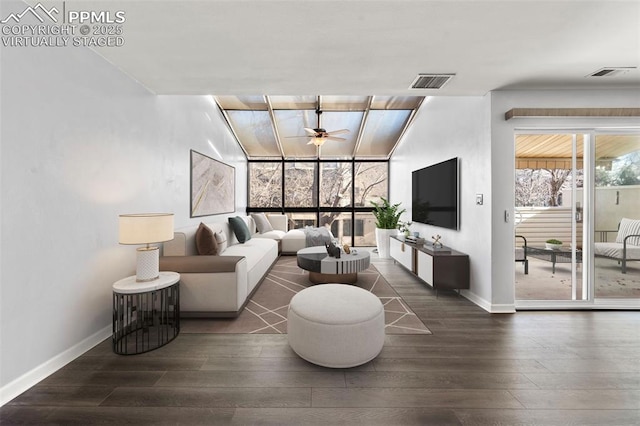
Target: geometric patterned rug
266, 312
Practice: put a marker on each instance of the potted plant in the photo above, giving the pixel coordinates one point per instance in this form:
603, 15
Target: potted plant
553, 244
387, 217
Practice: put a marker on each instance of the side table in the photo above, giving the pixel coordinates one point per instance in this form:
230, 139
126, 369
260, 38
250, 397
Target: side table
146, 315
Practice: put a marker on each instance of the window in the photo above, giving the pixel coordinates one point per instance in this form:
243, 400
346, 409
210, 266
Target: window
265, 184
300, 184
370, 183
335, 184
329, 193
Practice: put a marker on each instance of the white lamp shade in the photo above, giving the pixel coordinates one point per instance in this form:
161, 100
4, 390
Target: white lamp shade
145, 228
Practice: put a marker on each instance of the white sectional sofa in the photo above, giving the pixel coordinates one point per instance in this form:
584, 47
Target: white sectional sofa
220, 286
290, 240
217, 286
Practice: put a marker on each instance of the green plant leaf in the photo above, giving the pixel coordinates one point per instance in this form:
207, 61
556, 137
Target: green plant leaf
387, 215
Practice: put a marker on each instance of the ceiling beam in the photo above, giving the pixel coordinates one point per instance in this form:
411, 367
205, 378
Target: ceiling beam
365, 115
571, 112
274, 126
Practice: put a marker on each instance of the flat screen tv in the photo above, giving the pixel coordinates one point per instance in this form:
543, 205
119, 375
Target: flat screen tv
435, 195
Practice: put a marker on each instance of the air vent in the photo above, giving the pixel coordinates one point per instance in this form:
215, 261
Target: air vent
430, 81
611, 71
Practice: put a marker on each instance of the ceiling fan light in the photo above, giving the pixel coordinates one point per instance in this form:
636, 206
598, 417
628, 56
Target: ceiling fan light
319, 141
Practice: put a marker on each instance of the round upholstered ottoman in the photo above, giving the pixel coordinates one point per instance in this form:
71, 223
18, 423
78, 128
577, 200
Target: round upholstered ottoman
336, 325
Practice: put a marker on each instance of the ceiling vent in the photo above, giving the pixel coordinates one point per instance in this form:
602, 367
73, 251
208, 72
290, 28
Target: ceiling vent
430, 81
611, 71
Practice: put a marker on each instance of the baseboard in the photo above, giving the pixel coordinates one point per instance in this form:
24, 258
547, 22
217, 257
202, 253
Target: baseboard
29, 379
488, 306
503, 308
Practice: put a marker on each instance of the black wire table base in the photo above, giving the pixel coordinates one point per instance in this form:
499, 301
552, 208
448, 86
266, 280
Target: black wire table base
145, 321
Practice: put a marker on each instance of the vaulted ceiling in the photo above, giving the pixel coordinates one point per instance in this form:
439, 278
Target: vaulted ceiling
274, 126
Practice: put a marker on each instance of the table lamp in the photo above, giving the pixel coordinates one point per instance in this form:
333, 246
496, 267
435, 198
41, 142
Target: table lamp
146, 228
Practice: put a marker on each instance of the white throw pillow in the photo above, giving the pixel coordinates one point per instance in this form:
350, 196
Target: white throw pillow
262, 222
221, 239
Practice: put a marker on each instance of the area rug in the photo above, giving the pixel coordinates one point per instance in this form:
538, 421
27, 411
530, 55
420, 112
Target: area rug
266, 312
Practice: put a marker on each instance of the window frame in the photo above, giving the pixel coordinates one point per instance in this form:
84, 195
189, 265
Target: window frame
318, 210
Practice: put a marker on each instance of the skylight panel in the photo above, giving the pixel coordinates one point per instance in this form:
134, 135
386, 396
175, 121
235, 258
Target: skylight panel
381, 132
255, 132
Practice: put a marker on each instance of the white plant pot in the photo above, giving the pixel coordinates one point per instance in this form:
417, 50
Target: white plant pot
382, 241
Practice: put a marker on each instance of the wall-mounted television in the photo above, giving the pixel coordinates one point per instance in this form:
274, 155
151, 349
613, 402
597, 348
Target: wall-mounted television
435, 195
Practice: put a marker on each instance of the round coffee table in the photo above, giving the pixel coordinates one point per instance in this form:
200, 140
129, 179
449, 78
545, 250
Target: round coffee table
325, 269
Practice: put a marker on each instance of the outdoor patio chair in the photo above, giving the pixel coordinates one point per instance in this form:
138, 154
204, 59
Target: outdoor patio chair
521, 254
627, 244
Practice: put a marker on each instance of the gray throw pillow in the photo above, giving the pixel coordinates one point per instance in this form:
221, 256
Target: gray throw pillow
262, 222
240, 229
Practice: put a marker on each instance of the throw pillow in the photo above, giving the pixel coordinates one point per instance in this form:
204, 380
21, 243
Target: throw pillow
262, 222
221, 239
240, 229
206, 243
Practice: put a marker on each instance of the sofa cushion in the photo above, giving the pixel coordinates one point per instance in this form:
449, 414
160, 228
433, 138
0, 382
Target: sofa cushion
206, 243
273, 235
240, 229
255, 251
629, 227
262, 223
615, 251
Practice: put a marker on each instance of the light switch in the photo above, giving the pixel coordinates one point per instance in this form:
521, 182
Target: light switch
507, 216
479, 199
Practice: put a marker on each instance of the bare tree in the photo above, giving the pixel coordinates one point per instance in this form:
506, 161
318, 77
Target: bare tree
539, 187
557, 177
336, 182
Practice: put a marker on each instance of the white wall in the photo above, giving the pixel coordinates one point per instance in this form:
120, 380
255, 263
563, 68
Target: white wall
612, 203
82, 143
474, 129
444, 128
502, 161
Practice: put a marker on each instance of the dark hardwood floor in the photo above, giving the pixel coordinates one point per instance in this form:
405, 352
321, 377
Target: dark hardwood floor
533, 368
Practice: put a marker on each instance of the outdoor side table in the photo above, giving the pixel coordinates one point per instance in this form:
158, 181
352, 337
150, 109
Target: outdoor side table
146, 315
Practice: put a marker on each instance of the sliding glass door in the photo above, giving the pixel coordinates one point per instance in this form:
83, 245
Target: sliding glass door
617, 217
549, 195
581, 191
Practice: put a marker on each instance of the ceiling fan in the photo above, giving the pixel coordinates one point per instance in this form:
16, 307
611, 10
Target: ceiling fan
319, 136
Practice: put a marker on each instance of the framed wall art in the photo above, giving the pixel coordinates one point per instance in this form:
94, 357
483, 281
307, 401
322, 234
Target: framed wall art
213, 186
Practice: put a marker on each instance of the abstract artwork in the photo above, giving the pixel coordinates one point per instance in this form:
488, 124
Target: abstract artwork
213, 186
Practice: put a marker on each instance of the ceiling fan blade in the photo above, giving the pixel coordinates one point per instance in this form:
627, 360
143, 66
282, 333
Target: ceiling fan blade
295, 137
339, 132
311, 132
333, 138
